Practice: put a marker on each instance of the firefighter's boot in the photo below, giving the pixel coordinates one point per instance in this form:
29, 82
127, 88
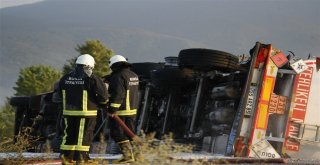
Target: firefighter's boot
85, 159
88, 162
67, 161
137, 152
127, 153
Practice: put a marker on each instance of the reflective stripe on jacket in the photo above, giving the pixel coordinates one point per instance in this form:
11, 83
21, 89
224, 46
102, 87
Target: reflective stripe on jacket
81, 95
123, 88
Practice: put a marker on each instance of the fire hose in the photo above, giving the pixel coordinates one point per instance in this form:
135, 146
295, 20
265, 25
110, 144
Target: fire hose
126, 129
133, 136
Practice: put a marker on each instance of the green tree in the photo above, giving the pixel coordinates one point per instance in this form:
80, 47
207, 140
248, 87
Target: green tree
99, 52
36, 79
6, 121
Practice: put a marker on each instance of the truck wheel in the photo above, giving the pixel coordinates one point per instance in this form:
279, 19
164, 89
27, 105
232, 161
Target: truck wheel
172, 76
143, 69
19, 101
207, 59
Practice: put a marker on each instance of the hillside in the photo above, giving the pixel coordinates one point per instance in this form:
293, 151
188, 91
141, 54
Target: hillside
22, 47
56, 46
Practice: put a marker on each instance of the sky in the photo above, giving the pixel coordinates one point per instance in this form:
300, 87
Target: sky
11, 3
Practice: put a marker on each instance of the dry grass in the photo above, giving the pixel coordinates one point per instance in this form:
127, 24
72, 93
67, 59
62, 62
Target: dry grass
153, 151
14, 148
161, 152
22, 142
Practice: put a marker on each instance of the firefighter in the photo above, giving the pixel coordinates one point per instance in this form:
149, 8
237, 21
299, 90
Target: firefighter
82, 93
123, 101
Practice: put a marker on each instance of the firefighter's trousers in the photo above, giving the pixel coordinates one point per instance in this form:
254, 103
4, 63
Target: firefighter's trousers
77, 137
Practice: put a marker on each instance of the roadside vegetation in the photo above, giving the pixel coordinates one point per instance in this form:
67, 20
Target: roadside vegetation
162, 152
6, 122
13, 147
152, 151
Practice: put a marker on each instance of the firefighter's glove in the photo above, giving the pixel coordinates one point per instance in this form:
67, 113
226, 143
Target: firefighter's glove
111, 109
38, 118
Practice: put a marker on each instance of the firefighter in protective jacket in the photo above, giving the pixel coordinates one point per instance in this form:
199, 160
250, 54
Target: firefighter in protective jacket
123, 101
82, 93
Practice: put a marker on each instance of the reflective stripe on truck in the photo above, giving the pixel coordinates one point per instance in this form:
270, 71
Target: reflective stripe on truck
235, 142
260, 121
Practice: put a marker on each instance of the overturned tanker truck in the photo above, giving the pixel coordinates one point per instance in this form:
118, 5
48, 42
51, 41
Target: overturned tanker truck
262, 106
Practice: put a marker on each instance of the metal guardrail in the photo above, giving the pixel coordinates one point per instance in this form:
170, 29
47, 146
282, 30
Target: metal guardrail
302, 131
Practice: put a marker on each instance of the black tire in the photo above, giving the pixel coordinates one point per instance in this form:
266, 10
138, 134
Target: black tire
172, 76
207, 59
20, 101
143, 69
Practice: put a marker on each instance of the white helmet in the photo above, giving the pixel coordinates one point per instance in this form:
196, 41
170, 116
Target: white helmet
86, 59
116, 58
